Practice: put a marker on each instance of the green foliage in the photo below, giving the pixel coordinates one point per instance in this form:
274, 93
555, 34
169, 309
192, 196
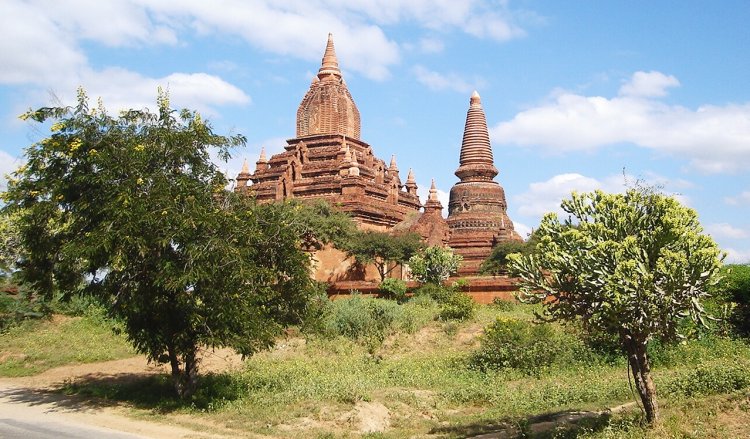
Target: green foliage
457, 306
435, 265
437, 292
496, 263
131, 209
384, 250
635, 262
711, 380
631, 265
392, 288
731, 297
34, 346
319, 223
526, 346
363, 319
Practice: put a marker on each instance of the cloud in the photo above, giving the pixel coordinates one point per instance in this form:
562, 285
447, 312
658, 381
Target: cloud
743, 199
545, 196
725, 230
714, 138
648, 84
737, 256
122, 89
522, 229
438, 81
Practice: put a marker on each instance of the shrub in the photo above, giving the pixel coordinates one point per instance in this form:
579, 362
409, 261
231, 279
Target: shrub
392, 288
458, 306
731, 297
710, 380
365, 320
528, 347
436, 292
435, 265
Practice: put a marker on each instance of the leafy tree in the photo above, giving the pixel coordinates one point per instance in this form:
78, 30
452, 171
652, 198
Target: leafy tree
497, 262
632, 265
131, 210
435, 265
733, 291
383, 250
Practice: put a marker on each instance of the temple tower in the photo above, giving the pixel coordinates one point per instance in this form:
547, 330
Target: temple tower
477, 210
327, 159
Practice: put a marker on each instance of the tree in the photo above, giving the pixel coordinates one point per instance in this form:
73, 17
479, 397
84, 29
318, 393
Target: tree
435, 265
497, 262
383, 250
632, 265
131, 210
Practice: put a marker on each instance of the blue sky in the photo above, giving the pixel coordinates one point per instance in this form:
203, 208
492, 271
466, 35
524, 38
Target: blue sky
576, 93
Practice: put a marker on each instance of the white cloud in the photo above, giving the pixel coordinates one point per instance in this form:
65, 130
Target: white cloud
740, 200
522, 229
648, 84
735, 256
438, 81
714, 138
123, 89
431, 45
545, 196
725, 230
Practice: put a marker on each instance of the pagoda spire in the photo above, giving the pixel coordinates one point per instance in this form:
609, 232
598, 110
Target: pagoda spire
433, 193
411, 183
245, 167
393, 166
330, 64
476, 161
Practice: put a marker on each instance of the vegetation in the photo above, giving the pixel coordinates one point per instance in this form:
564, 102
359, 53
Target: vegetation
732, 298
384, 250
130, 209
425, 378
33, 346
631, 265
497, 262
435, 265
392, 288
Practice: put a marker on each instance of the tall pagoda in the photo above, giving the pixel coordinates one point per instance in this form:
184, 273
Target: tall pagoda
477, 210
328, 160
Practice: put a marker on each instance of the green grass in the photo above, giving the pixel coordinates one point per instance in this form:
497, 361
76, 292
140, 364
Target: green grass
421, 372
34, 346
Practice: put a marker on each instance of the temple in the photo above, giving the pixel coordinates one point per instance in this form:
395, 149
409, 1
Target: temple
477, 210
327, 160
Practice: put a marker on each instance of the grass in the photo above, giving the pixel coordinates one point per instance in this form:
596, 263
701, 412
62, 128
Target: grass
34, 346
421, 373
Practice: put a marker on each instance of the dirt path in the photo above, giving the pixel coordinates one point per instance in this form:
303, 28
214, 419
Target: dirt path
33, 399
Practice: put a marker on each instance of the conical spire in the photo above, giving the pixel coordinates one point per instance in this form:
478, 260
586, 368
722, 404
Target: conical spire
476, 161
262, 157
433, 192
393, 166
410, 177
330, 64
354, 169
245, 167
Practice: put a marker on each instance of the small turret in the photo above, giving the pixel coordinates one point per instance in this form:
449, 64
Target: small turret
411, 183
262, 163
244, 175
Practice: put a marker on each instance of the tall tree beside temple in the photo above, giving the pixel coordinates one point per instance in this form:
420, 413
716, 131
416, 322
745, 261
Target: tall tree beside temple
631, 265
131, 209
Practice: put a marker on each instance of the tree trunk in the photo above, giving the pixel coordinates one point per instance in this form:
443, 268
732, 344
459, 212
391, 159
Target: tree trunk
638, 362
185, 380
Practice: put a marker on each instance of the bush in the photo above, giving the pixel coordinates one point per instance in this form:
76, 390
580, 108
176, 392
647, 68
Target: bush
710, 380
458, 306
528, 347
436, 292
392, 288
365, 320
731, 297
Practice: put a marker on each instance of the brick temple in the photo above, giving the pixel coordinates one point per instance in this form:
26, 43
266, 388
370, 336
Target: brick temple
328, 160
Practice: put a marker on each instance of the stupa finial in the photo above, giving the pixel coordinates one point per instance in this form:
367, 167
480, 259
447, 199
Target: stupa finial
330, 64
